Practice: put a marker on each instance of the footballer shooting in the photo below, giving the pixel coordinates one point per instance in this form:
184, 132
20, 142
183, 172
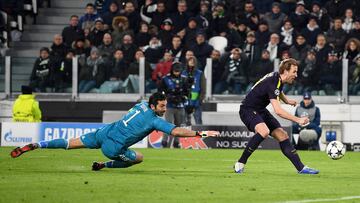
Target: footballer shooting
115, 139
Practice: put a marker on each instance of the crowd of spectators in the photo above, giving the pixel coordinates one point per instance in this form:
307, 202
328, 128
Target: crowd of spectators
112, 35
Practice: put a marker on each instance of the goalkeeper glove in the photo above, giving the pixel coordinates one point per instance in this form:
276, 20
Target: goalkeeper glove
201, 134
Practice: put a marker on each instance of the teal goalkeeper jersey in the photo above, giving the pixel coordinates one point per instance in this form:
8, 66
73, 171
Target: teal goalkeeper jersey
139, 122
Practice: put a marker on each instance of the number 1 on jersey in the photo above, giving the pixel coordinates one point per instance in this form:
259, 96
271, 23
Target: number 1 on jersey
131, 117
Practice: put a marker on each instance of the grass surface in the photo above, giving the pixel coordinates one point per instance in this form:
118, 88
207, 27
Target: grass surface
176, 176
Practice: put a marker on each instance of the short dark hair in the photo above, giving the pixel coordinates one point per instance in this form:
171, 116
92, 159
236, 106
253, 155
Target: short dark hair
73, 16
90, 4
157, 96
286, 65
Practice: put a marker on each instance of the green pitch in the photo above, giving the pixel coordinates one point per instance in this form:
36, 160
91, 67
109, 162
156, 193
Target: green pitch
177, 176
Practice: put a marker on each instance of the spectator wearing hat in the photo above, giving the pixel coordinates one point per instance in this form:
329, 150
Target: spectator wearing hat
354, 77
299, 49
26, 108
121, 28
355, 33
97, 34
154, 14
174, 85
299, 18
311, 31
72, 32
201, 49
352, 50
336, 36
262, 35
181, 17
88, 19
166, 33
330, 79
275, 18
251, 49
109, 15
92, 74
321, 15
309, 135
41, 76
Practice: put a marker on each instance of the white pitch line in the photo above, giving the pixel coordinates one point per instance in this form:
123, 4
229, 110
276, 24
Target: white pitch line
323, 200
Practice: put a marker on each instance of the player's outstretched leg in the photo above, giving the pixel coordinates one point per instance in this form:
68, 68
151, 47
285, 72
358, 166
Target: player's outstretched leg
122, 162
20, 150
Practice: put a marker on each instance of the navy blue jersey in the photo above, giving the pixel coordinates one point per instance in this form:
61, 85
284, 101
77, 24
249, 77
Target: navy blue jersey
268, 87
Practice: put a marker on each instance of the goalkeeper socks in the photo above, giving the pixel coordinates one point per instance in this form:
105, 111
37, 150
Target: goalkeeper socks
289, 151
118, 164
251, 147
54, 144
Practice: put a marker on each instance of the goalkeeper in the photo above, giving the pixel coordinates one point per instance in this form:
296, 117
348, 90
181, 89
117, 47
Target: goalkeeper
116, 138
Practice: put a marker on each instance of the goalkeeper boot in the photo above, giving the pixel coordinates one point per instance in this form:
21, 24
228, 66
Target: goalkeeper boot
239, 167
20, 150
96, 166
307, 170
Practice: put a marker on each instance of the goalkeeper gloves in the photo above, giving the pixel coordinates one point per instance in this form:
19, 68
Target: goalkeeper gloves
201, 134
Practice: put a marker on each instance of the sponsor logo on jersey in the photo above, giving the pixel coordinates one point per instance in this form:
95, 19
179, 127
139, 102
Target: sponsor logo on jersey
277, 92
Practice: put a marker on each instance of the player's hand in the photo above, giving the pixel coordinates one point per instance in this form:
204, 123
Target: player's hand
304, 121
207, 133
292, 102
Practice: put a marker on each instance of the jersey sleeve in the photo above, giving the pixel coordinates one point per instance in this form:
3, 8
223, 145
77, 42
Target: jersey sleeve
274, 89
162, 125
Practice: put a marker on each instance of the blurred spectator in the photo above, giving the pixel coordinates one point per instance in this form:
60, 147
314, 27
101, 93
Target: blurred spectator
322, 49
116, 73
355, 33
262, 35
154, 51
197, 83
220, 19
134, 68
81, 48
204, 17
352, 50
175, 88
260, 68
250, 15
190, 31
26, 108
128, 48
299, 50
106, 48
176, 49
132, 15
120, 26
97, 34
263, 6
331, 74
41, 76
154, 14
288, 6
109, 15
275, 18
58, 49
234, 38
336, 36
72, 32
251, 49
348, 23
102, 6
88, 19
166, 33
201, 49
354, 77
274, 47
217, 67
162, 68
311, 31
143, 37
299, 18
287, 34
308, 135
336, 8
242, 29
321, 16
92, 74
235, 76
180, 17
63, 73
308, 73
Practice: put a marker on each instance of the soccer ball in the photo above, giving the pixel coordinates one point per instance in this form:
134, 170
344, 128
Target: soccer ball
335, 150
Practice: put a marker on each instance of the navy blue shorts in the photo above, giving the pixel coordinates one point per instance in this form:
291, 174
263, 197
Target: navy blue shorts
251, 118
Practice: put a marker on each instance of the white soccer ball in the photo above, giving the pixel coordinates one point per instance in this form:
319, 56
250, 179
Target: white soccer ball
335, 150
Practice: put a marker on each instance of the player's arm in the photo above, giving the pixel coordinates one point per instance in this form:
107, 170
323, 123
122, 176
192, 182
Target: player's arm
286, 100
183, 132
284, 114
